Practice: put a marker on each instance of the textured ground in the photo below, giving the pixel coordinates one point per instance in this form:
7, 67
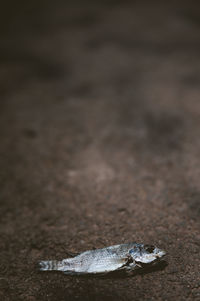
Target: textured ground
99, 144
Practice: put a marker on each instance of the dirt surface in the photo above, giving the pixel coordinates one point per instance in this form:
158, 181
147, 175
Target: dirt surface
99, 144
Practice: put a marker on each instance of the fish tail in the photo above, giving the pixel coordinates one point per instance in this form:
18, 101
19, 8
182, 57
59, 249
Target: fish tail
51, 265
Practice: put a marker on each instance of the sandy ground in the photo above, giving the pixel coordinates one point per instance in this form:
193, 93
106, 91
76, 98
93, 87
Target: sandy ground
99, 144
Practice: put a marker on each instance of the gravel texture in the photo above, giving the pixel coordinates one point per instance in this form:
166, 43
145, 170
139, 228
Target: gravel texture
99, 144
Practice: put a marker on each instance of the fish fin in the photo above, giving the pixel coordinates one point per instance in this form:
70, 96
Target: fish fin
72, 254
129, 263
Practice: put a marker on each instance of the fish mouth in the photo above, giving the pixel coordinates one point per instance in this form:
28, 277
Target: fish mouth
159, 257
161, 254
156, 260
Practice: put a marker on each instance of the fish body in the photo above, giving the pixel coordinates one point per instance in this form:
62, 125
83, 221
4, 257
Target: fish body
128, 256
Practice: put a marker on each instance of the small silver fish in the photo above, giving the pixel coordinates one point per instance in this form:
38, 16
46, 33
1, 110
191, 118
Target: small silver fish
128, 256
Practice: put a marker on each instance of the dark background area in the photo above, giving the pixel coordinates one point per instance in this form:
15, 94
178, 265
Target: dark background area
99, 143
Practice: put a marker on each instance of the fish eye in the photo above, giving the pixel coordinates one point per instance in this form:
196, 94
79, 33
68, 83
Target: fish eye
149, 248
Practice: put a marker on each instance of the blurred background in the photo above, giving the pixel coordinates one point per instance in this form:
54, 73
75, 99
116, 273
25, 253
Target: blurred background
99, 143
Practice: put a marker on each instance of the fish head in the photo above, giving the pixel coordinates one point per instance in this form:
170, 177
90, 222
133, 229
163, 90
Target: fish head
146, 254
